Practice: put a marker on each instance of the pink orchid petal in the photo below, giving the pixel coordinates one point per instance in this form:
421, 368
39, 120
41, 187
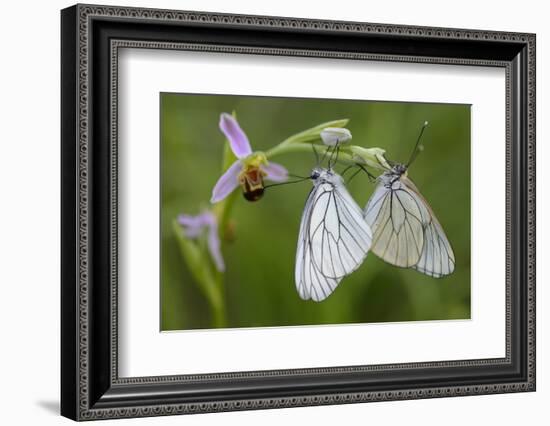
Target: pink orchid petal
194, 225
188, 220
214, 247
227, 183
275, 172
208, 218
235, 135
191, 224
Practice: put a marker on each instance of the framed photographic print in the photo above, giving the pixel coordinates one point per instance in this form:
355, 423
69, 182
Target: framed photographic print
263, 212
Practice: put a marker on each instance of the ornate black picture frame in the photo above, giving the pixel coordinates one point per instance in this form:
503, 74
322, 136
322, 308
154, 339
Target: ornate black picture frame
91, 36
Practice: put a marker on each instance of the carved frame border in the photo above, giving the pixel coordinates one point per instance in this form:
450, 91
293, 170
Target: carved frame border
85, 14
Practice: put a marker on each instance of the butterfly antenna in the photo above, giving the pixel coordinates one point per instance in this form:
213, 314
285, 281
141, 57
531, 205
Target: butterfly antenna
390, 162
417, 146
372, 178
286, 183
346, 169
336, 150
298, 176
353, 175
325, 155
316, 154
360, 168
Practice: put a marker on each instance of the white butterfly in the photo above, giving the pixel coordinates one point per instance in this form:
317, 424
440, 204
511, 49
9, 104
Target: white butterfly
406, 231
334, 237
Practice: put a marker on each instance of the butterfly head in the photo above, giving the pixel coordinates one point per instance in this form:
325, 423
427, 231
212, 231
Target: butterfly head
320, 175
399, 169
392, 176
315, 174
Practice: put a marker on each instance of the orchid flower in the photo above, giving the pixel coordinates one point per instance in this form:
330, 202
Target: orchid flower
250, 168
194, 226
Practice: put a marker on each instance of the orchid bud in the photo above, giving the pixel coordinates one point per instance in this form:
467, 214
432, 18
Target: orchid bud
331, 136
373, 157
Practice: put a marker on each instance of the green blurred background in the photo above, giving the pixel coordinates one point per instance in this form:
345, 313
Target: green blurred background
259, 280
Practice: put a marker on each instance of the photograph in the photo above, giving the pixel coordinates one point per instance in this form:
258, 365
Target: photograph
283, 212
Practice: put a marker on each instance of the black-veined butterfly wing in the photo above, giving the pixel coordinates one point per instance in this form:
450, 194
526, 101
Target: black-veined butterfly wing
395, 216
437, 258
333, 242
310, 282
406, 231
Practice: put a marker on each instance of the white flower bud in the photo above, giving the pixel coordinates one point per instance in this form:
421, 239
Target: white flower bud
373, 157
332, 136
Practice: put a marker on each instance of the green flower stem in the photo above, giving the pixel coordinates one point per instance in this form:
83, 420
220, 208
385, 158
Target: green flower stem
347, 154
309, 135
219, 315
372, 157
202, 269
223, 214
222, 210
343, 154
313, 134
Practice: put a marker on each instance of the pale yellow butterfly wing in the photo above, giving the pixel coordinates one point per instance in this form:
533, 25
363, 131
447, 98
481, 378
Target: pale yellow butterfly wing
438, 258
395, 216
